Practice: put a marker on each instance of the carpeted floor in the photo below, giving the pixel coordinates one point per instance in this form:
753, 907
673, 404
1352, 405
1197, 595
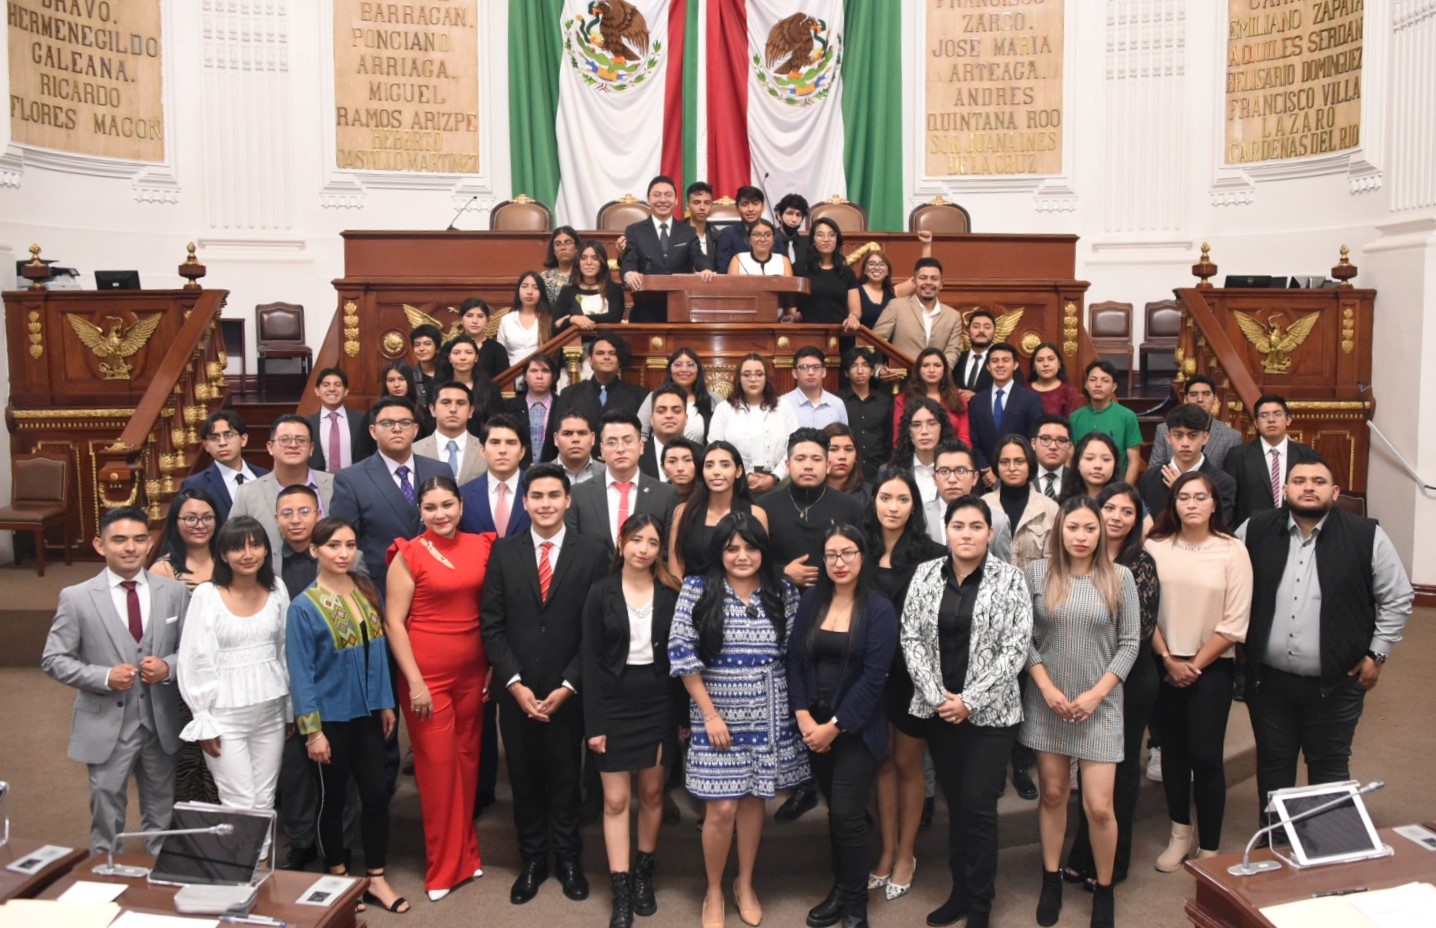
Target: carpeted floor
1396, 742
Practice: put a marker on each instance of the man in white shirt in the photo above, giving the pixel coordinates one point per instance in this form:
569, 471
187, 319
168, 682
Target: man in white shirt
601, 506
661, 245
1053, 443
451, 442
971, 374
815, 407
339, 437
494, 501
1260, 466
574, 439
289, 444
670, 418
955, 472
224, 437
920, 321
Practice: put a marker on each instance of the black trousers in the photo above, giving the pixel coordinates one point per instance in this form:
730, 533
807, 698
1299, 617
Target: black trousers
1139, 696
489, 752
971, 763
1290, 715
544, 770
845, 775
356, 753
1193, 722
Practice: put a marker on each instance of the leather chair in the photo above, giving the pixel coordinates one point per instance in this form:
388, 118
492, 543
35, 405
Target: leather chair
1109, 324
617, 215
521, 214
280, 337
39, 501
849, 216
940, 217
1163, 327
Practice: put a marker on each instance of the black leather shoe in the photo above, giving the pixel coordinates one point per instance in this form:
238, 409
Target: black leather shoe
575, 884
929, 807
829, 911
527, 885
644, 902
1022, 779
803, 799
300, 858
953, 910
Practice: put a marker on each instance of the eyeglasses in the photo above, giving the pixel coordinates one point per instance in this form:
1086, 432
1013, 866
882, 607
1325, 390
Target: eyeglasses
627, 441
1194, 497
303, 512
1052, 440
1272, 415
955, 471
290, 441
193, 520
808, 368
847, 557
391, 425
221, 437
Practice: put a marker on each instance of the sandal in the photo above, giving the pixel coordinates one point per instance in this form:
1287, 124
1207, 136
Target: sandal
399, 906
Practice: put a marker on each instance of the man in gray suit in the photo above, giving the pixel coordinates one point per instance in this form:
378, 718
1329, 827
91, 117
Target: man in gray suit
114, 639
290, 444
452, 408
598, 504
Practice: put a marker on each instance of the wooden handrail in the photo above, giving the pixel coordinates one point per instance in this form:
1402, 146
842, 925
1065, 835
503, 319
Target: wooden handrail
1232, 362
550, 348
174, 365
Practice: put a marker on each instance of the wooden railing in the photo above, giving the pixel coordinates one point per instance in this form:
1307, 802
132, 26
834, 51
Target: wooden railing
1204, 337
161, 440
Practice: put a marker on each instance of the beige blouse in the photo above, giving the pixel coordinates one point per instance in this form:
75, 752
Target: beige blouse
1205, 590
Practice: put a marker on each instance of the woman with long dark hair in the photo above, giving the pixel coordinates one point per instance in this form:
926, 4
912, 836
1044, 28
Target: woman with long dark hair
1086, 623
529, 321
629, 704
680, 465
931, 378
842, 645
1048, 377
431, 618
877, 289
730, 628
1030, 514
896, 530
232, 671
400, 380
757, 423
923, 427
834, 295
560, 261
459, 361
1094, 465
475, 318
343, 701
845, 462
718, 489
591, 296
685, 371
1121, 507
1206, 579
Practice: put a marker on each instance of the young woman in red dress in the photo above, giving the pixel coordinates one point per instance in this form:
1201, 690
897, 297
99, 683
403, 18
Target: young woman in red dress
432, 621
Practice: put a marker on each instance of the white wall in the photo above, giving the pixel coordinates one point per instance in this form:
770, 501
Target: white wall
249, 93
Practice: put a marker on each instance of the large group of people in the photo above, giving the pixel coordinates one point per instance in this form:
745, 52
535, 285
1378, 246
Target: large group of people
855, 596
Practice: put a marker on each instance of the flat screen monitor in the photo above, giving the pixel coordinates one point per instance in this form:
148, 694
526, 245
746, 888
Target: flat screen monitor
213, 859
117, 280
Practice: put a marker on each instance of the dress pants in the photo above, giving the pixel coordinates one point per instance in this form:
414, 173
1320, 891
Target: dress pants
356, 755
845, 775
544, 770
1290, 715
251, 748
489, 749
971, 763
297, 797
1193, 722
137, 751
1139, 696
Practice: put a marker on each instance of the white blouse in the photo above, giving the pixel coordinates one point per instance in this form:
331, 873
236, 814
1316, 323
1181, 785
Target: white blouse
228, 661
760, 435
518, 341
775, 266
640, 634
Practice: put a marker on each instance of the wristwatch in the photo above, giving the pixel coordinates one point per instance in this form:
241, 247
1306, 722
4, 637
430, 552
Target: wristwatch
1379, 658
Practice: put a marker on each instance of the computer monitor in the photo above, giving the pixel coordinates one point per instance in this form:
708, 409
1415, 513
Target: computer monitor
117, 280
213, 859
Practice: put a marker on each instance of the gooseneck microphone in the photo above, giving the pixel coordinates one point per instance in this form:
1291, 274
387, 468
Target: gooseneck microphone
467, 204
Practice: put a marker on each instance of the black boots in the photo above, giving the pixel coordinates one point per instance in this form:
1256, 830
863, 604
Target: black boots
829, 911
622, 916
644, 902
855, 906
1049, 904
1104, 907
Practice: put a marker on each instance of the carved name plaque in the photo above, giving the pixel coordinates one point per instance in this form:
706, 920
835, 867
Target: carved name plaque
994, 87
86, 77
406, 86
1293, 78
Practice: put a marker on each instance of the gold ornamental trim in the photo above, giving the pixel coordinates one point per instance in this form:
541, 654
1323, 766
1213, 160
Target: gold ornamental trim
1348, 329
115, 341
1329, 405
1069, 330
37, 335
351, 329
117, 413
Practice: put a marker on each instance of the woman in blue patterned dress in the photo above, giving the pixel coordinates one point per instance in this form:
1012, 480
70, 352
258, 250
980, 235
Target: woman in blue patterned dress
727, 644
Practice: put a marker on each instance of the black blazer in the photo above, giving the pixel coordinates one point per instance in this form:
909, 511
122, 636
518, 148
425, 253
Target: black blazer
567, 305
588, 509
583, 396
605, 645
361, 444
1247, 465
519, 407
367, 498
212, 482
645, 256
1156, 493
984, 377
1021, 408
709, 237
538, 640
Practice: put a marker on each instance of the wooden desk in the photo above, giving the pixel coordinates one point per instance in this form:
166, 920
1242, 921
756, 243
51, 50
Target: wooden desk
1226, 901
276, 896
27, 885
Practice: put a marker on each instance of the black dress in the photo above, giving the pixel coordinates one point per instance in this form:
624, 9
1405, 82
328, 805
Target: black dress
697, 548
893, 583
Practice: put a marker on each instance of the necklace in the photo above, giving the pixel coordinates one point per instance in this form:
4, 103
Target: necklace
803, 512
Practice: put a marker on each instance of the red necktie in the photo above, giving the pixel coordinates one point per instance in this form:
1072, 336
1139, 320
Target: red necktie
545, 570
132, 601
335, 460
623, 491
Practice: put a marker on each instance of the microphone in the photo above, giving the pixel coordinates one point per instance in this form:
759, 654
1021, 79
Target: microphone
467, 204
125, 871
772, 207
5, 818
1247, 868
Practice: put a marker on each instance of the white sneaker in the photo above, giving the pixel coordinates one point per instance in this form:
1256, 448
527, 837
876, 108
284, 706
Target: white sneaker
1154, 765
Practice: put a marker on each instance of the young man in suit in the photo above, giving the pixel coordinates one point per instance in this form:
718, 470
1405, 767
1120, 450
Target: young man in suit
734, 239
699, 197
452, 408
920, 321
575, 438
379, 496
114, 639
289, 445
792, 212
1199, 389
670, 418
601, 506
1052, 440
970, 372
224, 436
494, 501
339, 436
605, 390
1005, 407
1261, 465
661, 245
535, 406
534, 594
1187, 430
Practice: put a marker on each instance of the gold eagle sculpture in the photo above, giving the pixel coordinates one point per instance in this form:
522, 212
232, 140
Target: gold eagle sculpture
622, 30
1274, 343
791, 43
116, 342
418, 317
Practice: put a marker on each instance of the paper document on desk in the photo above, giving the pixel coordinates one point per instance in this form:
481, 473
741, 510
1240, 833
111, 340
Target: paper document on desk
133, 919
90, 891
1408, 906
27, 913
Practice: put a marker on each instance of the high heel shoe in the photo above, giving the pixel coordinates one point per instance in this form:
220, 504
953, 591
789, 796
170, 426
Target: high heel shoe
751, 917
876, 881
895, 891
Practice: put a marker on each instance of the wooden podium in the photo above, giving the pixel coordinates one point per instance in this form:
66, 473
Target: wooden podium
725, 298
